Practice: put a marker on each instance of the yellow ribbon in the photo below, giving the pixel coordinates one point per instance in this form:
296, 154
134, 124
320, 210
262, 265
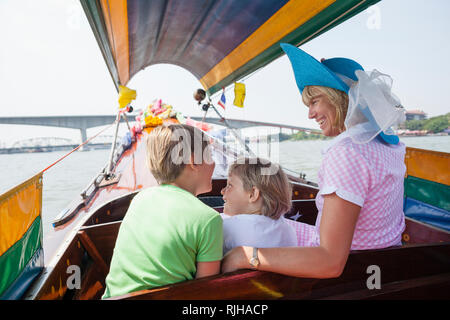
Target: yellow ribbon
126, 95
239, 94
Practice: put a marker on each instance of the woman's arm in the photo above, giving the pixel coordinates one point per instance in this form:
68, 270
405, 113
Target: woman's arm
337, 225
205, 269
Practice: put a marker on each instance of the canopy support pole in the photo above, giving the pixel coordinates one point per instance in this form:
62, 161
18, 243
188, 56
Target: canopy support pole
233, 131
108, 172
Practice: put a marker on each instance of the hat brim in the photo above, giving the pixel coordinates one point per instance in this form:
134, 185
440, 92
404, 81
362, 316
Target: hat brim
310, 72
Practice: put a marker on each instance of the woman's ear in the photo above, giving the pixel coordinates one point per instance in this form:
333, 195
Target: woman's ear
254, 195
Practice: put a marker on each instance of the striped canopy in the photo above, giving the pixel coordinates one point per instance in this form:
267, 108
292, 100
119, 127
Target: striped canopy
218, 41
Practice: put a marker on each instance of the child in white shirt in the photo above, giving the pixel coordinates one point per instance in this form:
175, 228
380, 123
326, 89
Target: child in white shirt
256, 196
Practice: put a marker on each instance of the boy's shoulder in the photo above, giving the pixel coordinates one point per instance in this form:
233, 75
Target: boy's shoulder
172, 196
163, 191
247, 217
245, 220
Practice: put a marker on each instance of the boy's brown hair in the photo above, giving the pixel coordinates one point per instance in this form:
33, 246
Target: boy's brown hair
275, 189
170, 148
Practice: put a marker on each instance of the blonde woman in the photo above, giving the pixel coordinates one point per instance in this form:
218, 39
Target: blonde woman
360, 201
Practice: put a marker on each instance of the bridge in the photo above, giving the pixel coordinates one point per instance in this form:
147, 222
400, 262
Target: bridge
73, 122
87, 121
241, 124
47, 144
42, 142
84, 122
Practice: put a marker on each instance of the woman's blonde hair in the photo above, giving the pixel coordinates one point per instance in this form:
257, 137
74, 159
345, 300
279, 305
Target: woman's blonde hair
274, 188
170, 148
337, 98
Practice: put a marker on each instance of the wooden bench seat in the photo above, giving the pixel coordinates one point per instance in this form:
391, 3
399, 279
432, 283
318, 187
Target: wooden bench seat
99, 241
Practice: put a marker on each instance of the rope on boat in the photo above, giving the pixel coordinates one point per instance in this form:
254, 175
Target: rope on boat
85, 142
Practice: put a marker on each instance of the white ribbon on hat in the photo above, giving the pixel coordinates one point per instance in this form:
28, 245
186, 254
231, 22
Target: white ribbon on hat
372, 107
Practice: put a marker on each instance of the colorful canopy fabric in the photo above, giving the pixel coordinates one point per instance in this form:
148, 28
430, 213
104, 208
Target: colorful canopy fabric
427, 187
21, 254
218, 41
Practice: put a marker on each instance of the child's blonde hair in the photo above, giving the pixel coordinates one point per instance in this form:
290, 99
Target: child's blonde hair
275, 189
170, 148
337, 98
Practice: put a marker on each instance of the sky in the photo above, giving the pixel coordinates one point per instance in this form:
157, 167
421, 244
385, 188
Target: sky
50, 64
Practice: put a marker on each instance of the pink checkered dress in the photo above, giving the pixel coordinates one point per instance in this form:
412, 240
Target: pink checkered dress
371, 176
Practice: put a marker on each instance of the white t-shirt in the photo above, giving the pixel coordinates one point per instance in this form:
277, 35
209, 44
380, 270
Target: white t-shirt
255, 230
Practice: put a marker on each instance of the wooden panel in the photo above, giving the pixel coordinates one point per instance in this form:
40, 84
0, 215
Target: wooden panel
99, 242
93, 252
217, 186
428, 165
93, 285
111, 211
398, 264
430, 287
104, 238
417, 232
303, 191
55, 279
433, 193
303, 211
427, 264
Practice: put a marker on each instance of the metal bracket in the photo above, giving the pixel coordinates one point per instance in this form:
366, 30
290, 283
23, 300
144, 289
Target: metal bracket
112, 179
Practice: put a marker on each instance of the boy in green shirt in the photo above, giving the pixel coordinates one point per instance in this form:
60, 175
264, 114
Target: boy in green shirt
168, 235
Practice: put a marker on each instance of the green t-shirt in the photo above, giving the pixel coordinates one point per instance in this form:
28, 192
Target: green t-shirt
166, 230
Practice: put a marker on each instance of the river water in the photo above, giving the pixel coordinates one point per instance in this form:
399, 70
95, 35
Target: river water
65, 181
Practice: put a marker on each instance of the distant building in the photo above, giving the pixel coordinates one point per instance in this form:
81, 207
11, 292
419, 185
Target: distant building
415, 115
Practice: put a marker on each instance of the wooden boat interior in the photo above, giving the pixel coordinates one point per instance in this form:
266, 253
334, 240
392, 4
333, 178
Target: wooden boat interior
424, 255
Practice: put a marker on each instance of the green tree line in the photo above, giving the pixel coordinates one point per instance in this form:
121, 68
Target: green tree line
304, 136
434, 124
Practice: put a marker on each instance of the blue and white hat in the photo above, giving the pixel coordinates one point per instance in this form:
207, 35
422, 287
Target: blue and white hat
373, 108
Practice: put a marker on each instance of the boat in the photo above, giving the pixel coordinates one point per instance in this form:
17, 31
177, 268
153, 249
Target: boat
219, 42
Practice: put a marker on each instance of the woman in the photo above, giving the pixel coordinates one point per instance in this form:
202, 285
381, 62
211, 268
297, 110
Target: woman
360, 201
